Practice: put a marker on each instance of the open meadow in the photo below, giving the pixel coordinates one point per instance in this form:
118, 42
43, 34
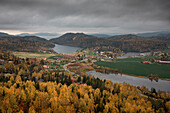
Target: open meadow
30, 54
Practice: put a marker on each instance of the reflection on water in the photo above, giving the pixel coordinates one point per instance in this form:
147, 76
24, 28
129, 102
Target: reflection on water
160, 85
65, 49
133, 54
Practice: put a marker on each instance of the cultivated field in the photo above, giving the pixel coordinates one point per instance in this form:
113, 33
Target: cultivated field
134, 67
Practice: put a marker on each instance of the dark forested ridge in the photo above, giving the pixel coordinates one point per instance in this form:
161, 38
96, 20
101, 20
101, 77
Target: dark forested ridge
138, 44
4, 34
124, 42
127, 43
165, 37
77, 39
25, 43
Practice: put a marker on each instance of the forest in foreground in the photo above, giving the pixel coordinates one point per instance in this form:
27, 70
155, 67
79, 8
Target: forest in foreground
22, 90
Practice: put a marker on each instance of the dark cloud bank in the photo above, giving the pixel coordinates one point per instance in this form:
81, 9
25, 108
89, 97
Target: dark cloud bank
85, 15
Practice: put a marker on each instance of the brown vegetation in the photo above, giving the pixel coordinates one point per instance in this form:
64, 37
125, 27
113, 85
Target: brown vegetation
80, 68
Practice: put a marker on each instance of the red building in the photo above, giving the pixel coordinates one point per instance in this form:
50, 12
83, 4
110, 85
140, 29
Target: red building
164, 62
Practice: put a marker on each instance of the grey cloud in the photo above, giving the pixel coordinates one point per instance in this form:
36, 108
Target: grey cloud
95, 15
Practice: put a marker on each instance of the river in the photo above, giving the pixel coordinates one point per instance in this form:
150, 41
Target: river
160, 85
65, 49
163, 85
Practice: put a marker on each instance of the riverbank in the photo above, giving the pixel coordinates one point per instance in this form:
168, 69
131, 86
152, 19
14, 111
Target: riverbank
135, 81
141, 76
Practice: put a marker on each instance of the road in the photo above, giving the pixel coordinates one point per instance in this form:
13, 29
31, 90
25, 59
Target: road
67, 69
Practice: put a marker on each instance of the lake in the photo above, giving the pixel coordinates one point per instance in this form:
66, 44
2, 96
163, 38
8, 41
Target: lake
137, 81
65, 49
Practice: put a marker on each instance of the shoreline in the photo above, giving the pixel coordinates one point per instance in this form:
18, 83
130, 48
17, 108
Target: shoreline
142, 76
162, 85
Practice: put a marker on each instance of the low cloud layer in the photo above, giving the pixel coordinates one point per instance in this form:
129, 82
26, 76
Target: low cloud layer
107, 16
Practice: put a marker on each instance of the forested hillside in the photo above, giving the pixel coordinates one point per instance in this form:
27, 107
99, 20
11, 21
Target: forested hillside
22, 90
165, 37
137, 44
26, 43
126, 43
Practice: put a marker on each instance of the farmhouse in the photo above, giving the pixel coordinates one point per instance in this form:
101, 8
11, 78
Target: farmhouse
45, 66
146, 62
44, 58
101, 53
164, 62
55, 67
10, 62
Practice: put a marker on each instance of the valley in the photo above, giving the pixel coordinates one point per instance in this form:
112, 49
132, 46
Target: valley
85, 56
52, 69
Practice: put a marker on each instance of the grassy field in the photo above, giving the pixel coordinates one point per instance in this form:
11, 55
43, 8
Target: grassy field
56, 56
37, 55
91, 53
134, 67
137, 59
88, 53
166, 50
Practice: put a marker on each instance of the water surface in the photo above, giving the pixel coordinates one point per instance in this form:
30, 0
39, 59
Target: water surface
120, 78
65, 49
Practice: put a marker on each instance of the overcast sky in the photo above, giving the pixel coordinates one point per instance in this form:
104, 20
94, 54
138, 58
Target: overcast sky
99, 16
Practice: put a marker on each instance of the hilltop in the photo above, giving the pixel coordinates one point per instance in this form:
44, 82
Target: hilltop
43, 35
165, 37
4, 34
25, 43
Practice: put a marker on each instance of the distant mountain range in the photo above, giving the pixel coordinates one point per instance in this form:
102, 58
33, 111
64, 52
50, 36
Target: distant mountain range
4, 34
127, 43
100, 35
43, 35
151, 34
163, 34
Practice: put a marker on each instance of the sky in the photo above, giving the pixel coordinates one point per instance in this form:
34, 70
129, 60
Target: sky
88, 16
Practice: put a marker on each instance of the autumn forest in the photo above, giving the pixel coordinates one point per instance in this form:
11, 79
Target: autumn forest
21, 90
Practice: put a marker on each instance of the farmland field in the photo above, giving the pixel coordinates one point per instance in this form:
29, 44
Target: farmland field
134, 67
134, 59
30, 54
166, 50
